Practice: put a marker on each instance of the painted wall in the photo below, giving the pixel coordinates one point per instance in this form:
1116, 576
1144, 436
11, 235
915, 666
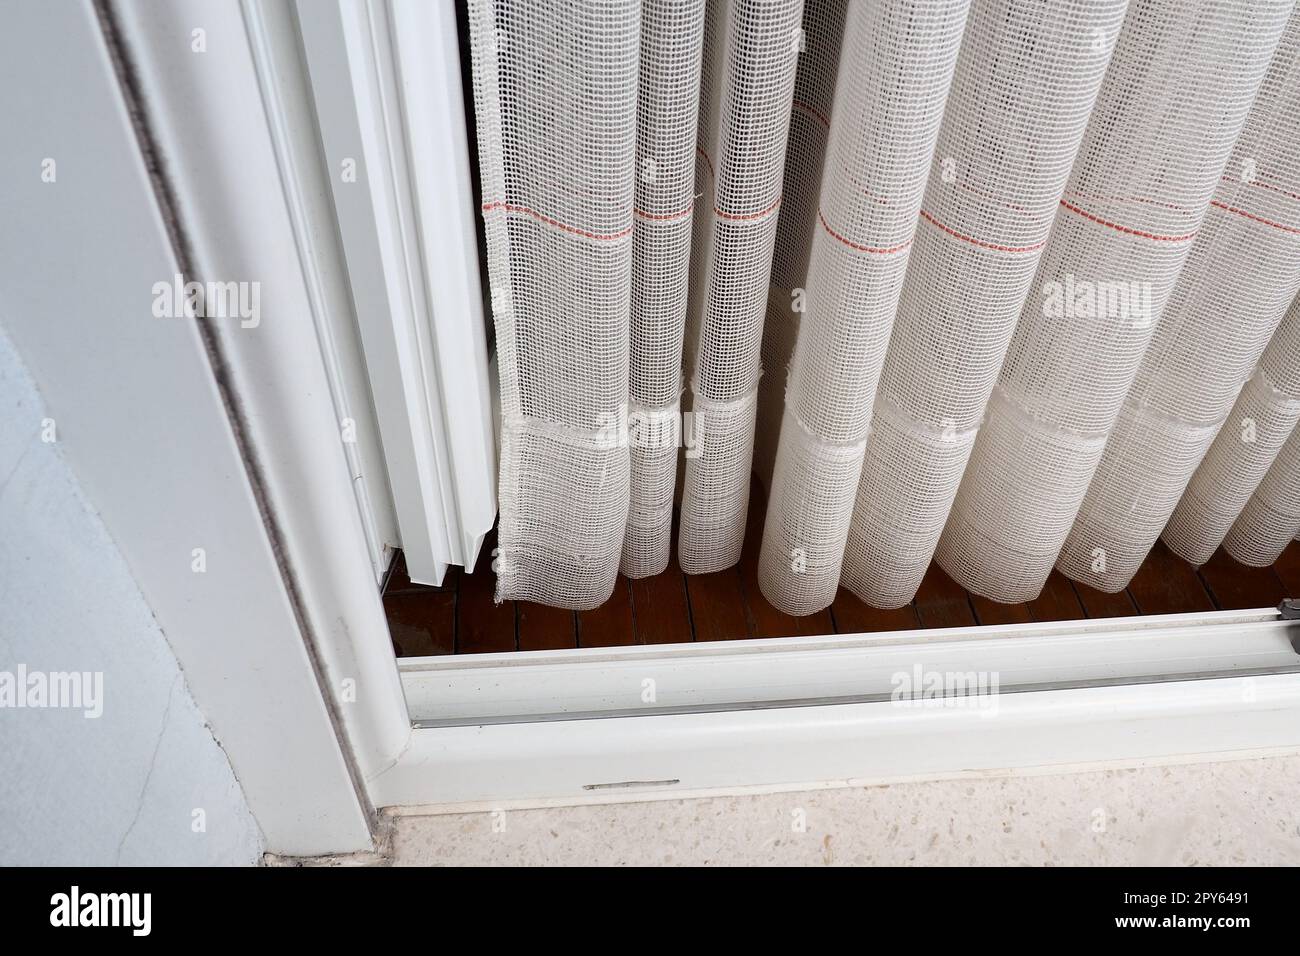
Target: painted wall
144, 782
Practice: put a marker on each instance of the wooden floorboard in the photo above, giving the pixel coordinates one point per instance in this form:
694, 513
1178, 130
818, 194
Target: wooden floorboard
718, 606
609, 625
942, 602
1100, 604
482, 625
850, 615
422, 623
1057, 601
545, 628
988, 611
1287, 569
1166, 584
660, 612
461, 617
1237, 586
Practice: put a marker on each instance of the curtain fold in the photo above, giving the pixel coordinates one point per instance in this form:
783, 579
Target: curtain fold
1241, 274
1271, 518
556, 155
753, 54
1173, 101
805, 151
1261, 420
1026, 79
883, 128
672, 33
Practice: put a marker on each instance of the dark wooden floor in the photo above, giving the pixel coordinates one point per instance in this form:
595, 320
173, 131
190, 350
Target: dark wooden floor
460, 617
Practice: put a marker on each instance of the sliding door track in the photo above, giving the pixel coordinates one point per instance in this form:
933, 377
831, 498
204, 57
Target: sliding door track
948, 667
659, 722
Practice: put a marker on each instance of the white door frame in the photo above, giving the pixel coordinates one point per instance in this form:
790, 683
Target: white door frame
186, 440
636, 723
494, 731
386, 79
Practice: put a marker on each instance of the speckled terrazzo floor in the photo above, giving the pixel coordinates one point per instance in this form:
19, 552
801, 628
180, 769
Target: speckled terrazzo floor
1232, 813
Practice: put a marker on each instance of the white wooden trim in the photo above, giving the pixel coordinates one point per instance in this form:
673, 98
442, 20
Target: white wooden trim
428, 60
215, 129
143, 417
407, 228
290, 111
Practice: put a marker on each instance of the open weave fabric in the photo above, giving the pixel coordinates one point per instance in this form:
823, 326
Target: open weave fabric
1271, 518
559, 243
1018, 256
1259, 424
1241, 274
883, 128
1026, 79
1176, 93
752, 52
805, 151
672, 32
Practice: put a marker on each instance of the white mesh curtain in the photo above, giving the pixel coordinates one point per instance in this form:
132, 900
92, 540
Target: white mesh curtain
810, 123
667, 104
744, 122
1020, 257
1271, 519
559, 245
1265, 414
1241, 274
1175, 95
1026, 79
888, 105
